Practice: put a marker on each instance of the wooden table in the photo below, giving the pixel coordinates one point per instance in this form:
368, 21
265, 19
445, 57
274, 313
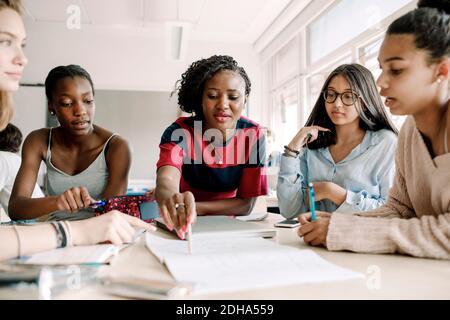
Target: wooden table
387, 276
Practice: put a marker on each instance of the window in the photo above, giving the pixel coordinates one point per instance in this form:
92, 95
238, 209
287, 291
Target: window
368, 57
316, 81
345, 21
284, 115
349, 31
287, 62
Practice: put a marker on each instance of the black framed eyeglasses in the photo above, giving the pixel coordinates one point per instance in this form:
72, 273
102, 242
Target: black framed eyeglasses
348, 98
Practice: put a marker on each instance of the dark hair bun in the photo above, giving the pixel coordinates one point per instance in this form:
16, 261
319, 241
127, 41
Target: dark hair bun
443, 5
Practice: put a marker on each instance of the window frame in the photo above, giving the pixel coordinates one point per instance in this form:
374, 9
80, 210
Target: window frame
306, 70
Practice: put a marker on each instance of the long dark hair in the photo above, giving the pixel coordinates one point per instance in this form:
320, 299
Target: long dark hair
372, 114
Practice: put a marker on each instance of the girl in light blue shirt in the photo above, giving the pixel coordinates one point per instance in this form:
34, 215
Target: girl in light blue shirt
346, 149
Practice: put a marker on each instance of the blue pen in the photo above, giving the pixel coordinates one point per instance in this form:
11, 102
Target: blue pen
97, 204
312, 202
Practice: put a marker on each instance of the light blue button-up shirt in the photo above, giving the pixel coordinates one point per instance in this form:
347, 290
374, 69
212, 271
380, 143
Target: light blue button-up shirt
366, 173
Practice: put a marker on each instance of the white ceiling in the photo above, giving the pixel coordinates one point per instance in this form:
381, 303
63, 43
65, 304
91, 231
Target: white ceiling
214, 20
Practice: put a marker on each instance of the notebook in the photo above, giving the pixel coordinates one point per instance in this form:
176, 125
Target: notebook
213, 226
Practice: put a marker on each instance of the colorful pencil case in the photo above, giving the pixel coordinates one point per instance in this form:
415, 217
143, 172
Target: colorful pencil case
139, 206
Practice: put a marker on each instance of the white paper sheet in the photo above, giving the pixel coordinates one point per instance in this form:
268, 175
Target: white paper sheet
79, 255
220, 265
162, 247
74, 255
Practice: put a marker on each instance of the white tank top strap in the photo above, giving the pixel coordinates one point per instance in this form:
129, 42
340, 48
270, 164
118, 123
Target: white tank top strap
48, 155
107, 142
94, 178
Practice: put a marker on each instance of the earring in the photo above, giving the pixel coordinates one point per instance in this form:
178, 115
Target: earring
52, 113
439, 80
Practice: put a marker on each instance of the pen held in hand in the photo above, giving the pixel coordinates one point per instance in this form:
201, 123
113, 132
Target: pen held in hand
97, 204
189, 234
312, 201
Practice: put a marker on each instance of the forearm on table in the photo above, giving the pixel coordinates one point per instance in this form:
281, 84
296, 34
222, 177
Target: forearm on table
32, 239
23, 208
427, 237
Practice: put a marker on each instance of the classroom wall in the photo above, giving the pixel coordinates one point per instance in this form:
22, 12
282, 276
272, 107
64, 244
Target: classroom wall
132, 77
141, 118
30, 107
138, 116
127, 59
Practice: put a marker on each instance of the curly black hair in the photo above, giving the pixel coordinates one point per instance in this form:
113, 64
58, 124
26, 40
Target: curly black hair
192, 83
430, 24
10, 139
61, 72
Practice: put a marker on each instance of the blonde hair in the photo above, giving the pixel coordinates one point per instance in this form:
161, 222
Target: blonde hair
16, 5
6, 108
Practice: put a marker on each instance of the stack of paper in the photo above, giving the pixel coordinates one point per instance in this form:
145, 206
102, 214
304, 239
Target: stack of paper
233, 264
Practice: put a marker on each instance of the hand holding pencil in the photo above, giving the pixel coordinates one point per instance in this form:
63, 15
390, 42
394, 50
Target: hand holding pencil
314, 225
178, 212
73, 200
314, 232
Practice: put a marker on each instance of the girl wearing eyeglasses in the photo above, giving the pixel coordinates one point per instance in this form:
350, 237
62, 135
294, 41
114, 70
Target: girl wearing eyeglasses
346, 149
415, 79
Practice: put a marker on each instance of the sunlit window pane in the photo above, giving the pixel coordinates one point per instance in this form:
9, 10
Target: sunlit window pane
369, 59
316, 81
287, 61
345, 21
285, 114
